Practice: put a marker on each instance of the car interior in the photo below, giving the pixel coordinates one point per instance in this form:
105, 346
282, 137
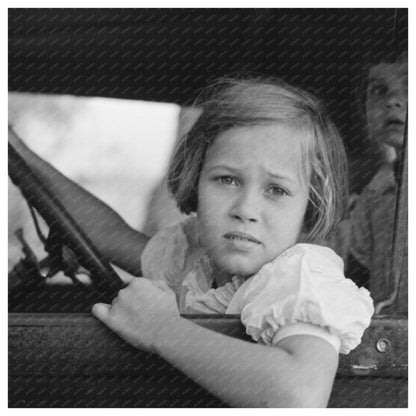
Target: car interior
103, 95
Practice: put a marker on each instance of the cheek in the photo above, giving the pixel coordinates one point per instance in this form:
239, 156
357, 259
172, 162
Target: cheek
299, 216
205, 204
300, 222
375, 111
290, 218
209, 210
203, 198
211, 202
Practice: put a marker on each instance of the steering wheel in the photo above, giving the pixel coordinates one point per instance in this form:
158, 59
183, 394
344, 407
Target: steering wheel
105, 280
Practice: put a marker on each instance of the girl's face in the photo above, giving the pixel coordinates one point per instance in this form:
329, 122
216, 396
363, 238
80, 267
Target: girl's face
386, 104
251, 198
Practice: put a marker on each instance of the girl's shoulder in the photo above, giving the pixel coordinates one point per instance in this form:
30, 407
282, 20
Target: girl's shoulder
319, 256
306, 284
301, 265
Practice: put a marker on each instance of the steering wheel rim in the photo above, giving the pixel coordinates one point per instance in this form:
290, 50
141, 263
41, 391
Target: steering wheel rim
105, 279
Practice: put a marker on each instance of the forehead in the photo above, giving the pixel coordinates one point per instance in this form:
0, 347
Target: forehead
389, 72
260, 138
271, 147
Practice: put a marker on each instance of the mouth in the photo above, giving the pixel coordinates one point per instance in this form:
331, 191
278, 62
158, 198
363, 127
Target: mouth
239, 236
394, 122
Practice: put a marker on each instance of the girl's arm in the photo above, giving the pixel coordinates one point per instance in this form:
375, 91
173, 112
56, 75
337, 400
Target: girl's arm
297, 373
112, 236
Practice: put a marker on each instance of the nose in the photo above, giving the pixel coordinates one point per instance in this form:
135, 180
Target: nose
246, 207
396, 99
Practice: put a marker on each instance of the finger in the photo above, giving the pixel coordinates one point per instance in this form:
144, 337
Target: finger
101, 311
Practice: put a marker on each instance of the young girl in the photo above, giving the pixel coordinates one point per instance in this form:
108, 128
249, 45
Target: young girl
264, 171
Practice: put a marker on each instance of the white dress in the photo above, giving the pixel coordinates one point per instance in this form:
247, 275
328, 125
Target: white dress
302, 291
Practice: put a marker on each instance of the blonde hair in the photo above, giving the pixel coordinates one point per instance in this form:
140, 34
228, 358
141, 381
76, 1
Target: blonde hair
237, 102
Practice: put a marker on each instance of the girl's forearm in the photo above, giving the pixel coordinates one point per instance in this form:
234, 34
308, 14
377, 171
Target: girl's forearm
112, 236
240, 373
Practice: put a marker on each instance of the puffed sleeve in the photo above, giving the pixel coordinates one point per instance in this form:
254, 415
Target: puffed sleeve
164, 255
304, 291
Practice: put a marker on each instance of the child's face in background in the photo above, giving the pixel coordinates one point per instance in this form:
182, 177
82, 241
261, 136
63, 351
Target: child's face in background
251, 198
386, 103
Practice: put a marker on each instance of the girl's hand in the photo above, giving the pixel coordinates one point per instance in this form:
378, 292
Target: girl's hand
140, 313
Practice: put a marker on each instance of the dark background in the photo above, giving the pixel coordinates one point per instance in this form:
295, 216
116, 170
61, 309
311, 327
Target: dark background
170, 54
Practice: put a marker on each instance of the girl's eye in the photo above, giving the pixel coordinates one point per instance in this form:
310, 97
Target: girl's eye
226, 180
277, 191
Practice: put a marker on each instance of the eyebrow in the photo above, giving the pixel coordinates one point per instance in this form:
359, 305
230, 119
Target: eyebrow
237, 170
384, 78
371, 81
374, 79
279, 176
377, 79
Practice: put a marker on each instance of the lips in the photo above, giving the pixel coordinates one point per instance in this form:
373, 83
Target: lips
394, 122
239, 236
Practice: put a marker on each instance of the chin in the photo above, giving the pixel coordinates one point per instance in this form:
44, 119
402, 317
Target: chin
243, 269
396, 142
393, 139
